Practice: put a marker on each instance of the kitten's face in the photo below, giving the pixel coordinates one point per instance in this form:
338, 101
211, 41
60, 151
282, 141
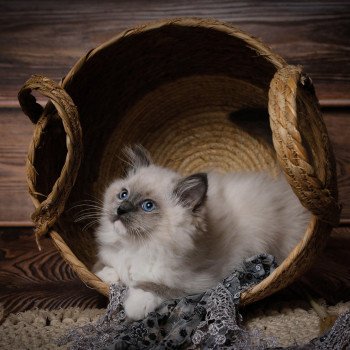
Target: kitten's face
138, 204
151, 201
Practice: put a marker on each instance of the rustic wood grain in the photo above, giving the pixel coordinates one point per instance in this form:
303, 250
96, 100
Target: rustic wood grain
16, 133
338, 125
29, 278
47, 37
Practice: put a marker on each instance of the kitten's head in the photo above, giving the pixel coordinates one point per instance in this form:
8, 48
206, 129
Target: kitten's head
152, 202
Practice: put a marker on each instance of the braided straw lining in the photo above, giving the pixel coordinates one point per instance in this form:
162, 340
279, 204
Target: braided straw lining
175, 86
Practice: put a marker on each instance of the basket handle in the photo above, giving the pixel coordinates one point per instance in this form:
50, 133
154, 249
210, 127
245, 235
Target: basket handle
48, 211
316, 189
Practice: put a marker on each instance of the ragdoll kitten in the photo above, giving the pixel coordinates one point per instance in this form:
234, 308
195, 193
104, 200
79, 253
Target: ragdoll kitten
188, 233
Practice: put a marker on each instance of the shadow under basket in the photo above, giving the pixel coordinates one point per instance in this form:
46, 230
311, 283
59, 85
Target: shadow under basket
195, 93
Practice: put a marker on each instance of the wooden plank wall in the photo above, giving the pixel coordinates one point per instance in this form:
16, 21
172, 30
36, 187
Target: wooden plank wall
47, 37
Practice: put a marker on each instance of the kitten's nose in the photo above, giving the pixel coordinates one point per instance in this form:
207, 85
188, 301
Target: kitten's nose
124, 208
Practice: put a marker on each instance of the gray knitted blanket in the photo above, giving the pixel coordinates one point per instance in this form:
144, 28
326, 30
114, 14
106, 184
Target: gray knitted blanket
207, 320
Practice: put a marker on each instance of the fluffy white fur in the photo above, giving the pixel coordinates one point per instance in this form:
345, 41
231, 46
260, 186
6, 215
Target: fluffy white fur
191, 249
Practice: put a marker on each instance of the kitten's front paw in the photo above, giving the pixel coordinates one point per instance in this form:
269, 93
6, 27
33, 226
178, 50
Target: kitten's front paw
108, 275
139, 303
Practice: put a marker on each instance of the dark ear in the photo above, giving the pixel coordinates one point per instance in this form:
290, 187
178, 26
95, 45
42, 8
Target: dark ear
192, 190
137, 157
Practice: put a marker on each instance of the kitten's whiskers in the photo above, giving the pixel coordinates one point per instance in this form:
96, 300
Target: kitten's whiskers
92, 211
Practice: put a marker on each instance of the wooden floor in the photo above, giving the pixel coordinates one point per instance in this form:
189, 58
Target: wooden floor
48, 37
29, 278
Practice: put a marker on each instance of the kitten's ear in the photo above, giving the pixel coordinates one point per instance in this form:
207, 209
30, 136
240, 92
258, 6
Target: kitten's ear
137, 157
192, 190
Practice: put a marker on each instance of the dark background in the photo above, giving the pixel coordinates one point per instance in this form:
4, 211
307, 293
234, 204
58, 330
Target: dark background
48, 37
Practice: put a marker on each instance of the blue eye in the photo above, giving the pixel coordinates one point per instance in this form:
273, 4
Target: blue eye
148, 205
124, 194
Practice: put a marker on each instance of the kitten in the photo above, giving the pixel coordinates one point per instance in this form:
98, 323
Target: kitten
188, 233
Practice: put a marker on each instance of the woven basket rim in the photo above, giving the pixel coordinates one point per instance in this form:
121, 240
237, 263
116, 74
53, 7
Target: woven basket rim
220, 26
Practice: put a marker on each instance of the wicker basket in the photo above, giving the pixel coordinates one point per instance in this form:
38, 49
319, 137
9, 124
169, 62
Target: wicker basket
175, 86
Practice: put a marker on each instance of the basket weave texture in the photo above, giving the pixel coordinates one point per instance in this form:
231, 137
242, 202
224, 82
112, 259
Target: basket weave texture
177, 87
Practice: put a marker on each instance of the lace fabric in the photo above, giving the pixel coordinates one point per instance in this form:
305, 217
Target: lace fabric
207, 320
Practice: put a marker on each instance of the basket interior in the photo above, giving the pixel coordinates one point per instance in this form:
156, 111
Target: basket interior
178, 91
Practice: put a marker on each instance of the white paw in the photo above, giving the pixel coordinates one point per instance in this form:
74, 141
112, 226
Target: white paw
139, 303
108, 275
